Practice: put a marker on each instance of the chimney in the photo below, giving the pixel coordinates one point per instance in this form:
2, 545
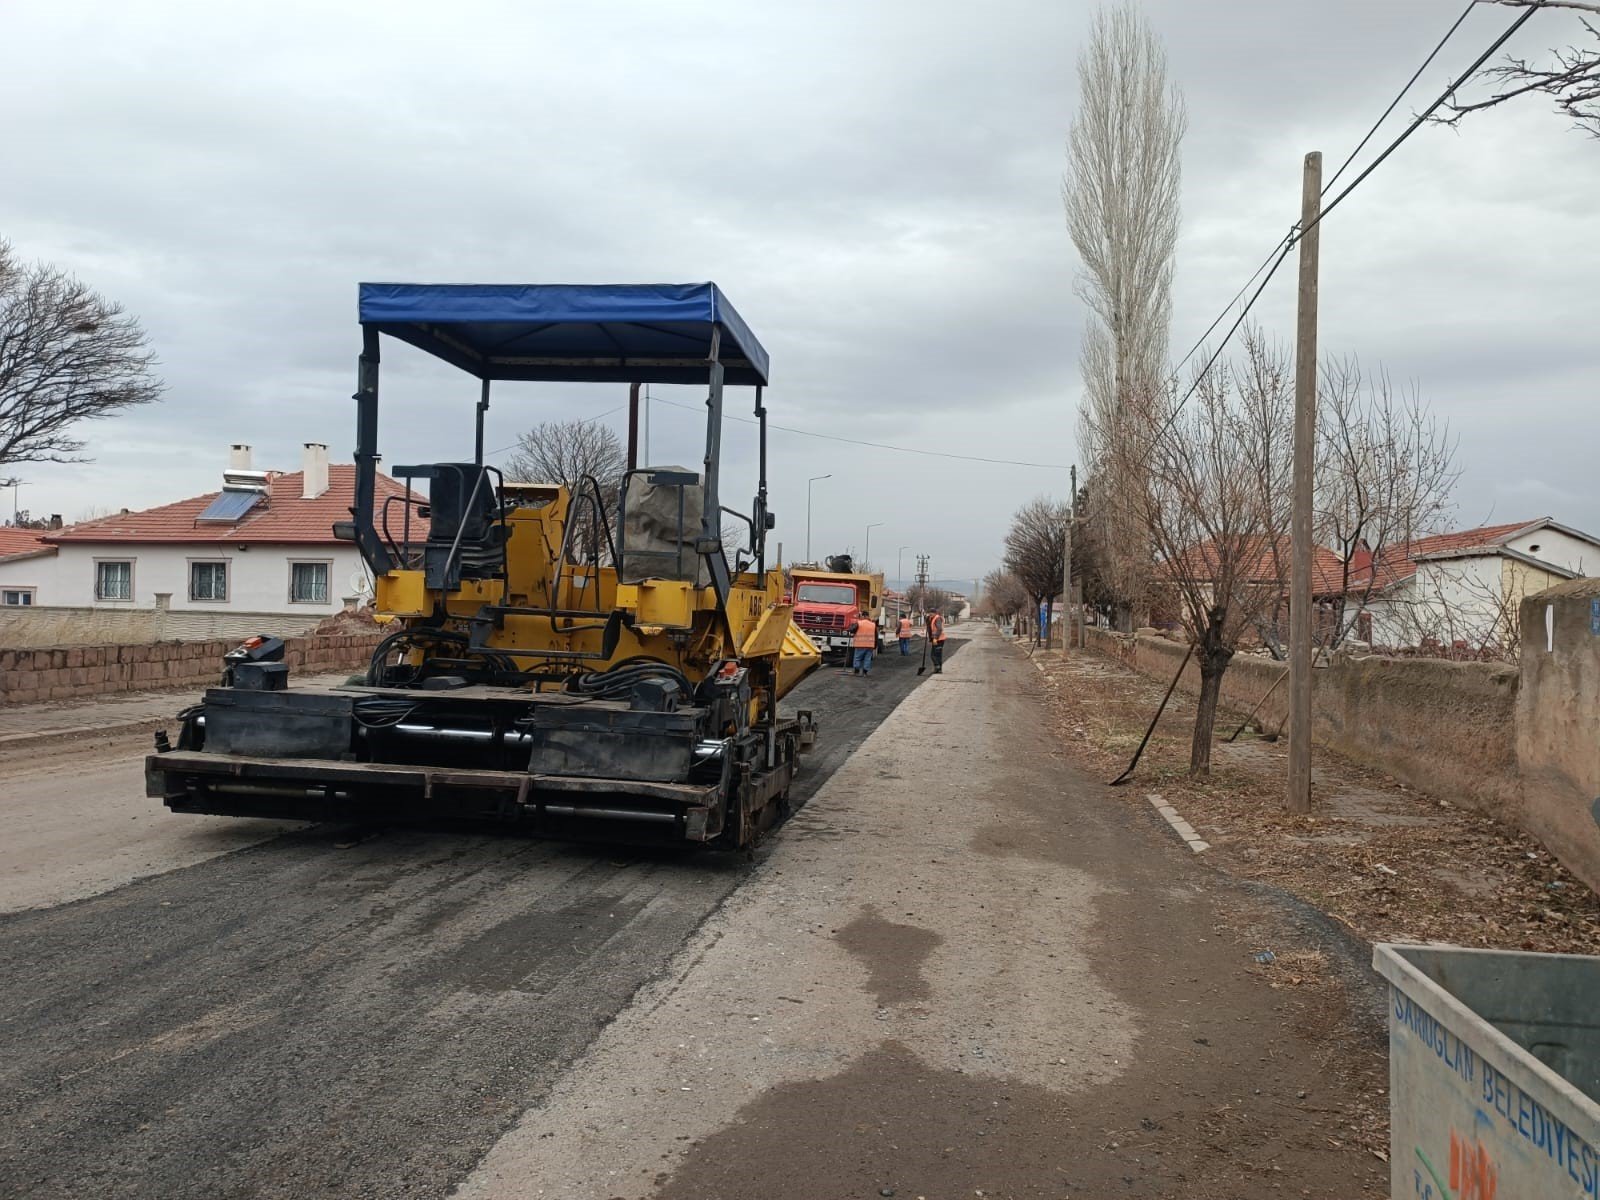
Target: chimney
316, 470
238, 458
55, 520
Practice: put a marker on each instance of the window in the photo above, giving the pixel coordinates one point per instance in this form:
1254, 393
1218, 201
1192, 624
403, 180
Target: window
113, 580
308, 583
826, 593
208, 581
16, 597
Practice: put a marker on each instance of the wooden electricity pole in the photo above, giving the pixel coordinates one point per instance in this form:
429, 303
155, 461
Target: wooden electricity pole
1305, 432
1066, 572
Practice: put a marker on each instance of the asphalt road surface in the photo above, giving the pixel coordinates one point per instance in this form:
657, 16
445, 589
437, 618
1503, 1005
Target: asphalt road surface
310, 1017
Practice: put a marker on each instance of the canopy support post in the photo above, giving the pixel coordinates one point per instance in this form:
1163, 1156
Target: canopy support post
633, 427
758, 527
483, 408
711, 514
368, 542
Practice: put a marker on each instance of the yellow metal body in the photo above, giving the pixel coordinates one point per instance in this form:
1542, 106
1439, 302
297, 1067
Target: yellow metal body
670, 620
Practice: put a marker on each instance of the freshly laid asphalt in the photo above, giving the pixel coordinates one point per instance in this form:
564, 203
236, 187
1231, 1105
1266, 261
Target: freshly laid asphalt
316, 1016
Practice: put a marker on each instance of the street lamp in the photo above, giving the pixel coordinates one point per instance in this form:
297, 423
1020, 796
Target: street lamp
899, 568
866, 550
809, 482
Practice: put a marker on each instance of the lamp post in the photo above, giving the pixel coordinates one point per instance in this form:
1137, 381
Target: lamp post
866, 550
899, 565
809, 482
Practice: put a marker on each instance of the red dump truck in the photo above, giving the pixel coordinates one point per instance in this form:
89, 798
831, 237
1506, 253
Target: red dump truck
829, 598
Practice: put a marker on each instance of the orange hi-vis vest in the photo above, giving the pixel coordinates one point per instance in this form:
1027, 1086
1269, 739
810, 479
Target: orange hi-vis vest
905, 627
936, 628
866, 633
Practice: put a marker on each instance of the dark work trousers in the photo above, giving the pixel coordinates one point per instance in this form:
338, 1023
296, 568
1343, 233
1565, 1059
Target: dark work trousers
938, 655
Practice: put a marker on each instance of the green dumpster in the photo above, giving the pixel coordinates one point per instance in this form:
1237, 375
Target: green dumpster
1494, 1073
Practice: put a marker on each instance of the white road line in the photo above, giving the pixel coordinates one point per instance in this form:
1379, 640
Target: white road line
1185, 830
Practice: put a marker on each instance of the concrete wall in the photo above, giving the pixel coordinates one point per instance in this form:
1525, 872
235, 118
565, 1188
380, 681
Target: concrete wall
258, 577
1558, 722
66, 673
1445, 728
28, 627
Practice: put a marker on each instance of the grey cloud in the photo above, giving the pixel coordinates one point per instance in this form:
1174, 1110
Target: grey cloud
874, 185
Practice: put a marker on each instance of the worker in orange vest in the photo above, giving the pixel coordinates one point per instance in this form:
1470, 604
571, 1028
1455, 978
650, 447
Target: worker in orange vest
936, 640
904, 634
863, 643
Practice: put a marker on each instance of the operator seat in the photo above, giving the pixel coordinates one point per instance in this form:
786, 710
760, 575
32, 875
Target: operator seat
466, 533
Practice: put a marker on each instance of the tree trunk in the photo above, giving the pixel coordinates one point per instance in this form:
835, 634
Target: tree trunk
1214, 659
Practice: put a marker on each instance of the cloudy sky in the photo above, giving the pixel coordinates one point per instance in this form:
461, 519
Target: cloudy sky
874, 185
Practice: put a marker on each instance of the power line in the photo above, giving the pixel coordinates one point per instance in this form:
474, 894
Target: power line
1296, 233
1282, 251
1361, 145
1422, 117
832, 437
584, 421
1201, 340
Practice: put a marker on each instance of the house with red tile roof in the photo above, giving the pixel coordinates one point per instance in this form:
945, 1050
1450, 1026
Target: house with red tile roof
18, 546
1458, 590
262, 543
1462, 589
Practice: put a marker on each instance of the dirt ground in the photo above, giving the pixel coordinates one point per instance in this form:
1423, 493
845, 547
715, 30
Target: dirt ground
1386, 861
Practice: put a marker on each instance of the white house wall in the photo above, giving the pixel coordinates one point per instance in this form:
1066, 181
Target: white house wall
37, 573
258, 577
1448, 599
1558, 549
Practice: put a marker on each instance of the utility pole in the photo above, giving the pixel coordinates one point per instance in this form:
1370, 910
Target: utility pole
1066, 567
1305, 432
922, 582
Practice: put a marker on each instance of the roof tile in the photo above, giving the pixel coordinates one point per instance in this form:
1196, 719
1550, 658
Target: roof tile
285, 517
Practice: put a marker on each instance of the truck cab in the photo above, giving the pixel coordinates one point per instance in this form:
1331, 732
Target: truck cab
827, 604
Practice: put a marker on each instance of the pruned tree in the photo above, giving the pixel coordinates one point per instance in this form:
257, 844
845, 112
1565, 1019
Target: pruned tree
569, 452
1218, 511
1121, 193
1385, 473
1036, 547
1571, 76
67, 355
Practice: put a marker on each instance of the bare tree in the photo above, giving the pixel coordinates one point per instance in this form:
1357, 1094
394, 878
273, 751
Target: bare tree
1385, 472
1218, 511
1121, 194
928, 598
1571, 78
67, 355
1036, 546
1003, 595
568, 452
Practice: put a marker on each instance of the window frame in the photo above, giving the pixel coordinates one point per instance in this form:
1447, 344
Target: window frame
132, 564
226, 564
32, 594
327, 565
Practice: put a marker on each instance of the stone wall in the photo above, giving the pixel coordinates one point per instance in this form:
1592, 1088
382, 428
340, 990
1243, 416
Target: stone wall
54, 627
70, 672
1444, 728
1558, 722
